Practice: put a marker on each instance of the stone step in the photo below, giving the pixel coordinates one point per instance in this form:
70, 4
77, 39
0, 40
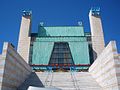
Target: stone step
62, 80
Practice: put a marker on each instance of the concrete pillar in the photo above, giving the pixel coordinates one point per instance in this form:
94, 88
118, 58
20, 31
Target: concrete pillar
24, 36
96, 32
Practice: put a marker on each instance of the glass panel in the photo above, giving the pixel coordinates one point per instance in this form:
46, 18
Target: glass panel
61, 54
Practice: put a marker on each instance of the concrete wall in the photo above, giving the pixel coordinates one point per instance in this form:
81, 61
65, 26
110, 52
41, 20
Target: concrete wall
13, 69
117, 67
24, 38
106, 68
97, 34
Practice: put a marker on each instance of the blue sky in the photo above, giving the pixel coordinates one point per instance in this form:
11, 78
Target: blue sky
58, 12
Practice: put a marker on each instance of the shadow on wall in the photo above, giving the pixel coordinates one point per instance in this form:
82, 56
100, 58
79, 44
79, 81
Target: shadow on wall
93, 54
32, 80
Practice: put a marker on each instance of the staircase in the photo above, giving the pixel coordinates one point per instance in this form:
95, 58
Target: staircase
62, 80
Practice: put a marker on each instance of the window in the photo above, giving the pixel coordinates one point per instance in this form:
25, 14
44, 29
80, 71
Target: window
61, 54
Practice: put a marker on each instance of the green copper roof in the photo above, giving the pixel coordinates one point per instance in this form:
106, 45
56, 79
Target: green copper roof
61, 31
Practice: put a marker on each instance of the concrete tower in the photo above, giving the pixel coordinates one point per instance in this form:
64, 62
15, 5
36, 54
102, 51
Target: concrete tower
96, 32
24, 36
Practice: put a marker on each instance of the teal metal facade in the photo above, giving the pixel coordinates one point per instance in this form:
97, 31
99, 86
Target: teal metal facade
61, 31
47, 36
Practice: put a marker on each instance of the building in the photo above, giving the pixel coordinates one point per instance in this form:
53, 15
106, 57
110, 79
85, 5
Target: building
82, 58
60, 46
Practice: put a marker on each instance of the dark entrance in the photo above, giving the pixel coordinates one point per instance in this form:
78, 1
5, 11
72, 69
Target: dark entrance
61, 56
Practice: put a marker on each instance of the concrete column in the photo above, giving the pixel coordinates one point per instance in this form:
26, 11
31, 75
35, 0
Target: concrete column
96, 32
24, 36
